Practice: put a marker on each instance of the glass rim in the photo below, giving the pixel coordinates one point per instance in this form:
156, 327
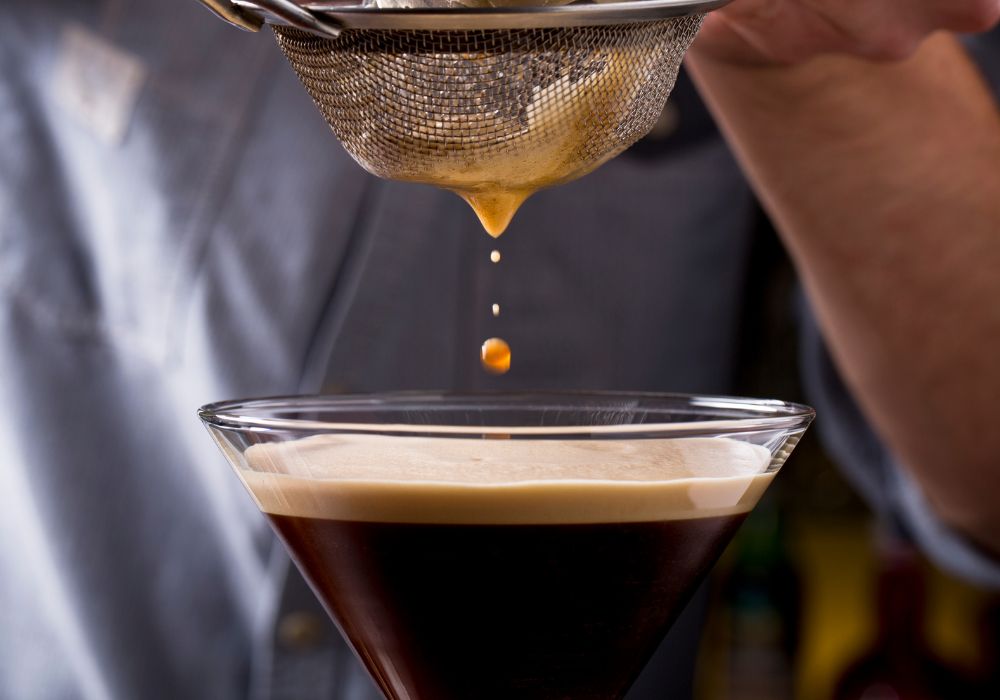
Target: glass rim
734, 414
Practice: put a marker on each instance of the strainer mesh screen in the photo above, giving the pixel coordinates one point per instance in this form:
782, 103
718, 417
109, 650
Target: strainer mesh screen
425, 105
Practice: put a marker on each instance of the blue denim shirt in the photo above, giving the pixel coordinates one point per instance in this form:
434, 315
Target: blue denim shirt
215, 241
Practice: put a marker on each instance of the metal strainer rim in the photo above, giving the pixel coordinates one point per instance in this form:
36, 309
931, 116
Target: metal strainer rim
351, 14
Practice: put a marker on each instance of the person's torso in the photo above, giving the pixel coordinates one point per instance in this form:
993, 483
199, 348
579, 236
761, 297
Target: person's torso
200, 235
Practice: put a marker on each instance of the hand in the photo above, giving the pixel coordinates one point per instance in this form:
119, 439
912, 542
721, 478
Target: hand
793, 31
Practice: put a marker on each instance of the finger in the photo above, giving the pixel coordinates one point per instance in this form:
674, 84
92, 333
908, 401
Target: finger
879, 30
777, 31
965, 15
893, 29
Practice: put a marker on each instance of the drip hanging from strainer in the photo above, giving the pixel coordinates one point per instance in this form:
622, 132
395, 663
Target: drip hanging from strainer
491, 102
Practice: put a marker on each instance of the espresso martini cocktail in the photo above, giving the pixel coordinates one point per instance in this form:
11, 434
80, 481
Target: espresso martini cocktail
505, 546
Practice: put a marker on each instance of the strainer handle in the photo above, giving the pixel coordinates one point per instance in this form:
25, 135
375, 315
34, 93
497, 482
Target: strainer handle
234, 15
241, 14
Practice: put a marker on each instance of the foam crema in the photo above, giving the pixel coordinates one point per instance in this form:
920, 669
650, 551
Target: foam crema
410, 479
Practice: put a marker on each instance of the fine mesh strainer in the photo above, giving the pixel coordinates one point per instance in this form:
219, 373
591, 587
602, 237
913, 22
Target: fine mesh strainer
492, 102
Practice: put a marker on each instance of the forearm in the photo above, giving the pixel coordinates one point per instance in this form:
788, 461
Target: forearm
884, 182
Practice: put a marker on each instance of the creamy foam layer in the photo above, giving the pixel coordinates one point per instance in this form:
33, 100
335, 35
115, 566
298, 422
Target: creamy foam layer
377, 478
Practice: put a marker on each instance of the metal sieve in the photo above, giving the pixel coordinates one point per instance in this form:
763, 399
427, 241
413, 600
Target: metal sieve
476, 98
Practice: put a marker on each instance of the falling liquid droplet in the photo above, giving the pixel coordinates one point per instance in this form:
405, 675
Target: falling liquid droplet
495, 256
496, 310
495, 356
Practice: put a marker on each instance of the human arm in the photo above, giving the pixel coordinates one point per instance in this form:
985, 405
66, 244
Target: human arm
884, 182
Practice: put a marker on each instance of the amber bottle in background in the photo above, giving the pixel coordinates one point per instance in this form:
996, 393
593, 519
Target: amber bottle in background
899, 664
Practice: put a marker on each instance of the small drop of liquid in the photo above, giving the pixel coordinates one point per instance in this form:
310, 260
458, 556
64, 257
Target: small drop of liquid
496, 310
495, 356
495, 256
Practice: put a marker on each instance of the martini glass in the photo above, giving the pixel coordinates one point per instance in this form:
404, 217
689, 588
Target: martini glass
529, 545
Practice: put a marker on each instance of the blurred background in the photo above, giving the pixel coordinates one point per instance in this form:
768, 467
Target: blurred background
815, 599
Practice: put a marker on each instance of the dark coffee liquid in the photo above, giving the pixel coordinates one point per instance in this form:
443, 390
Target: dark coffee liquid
470, 612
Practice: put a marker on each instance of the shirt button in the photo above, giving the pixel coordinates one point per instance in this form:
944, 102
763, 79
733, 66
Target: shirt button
299, 631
